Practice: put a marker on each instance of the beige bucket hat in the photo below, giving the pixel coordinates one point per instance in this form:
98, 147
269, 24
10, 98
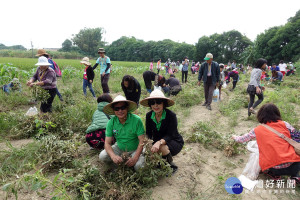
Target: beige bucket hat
108, 109
157, 94
86, 61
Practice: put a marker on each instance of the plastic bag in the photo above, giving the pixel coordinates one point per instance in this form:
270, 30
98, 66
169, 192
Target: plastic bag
252, 168
224, 84
180, 67
216, 95
32, 111
157, 88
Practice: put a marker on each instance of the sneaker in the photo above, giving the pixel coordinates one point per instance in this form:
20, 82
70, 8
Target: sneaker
208, 107
204, 104
252, 111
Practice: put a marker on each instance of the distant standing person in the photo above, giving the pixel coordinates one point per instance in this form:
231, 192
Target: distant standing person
222, 79
254, 87
185, 69
42, 52
209, 72
233, 65
131, 88
46, 78
158, 66
104, 62
282, 67
88, 76
151, 66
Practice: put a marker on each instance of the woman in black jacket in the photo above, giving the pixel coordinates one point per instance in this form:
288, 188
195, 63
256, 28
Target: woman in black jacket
132, 88
161, 127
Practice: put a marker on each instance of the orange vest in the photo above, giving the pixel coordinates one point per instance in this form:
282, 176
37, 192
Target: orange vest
274, 150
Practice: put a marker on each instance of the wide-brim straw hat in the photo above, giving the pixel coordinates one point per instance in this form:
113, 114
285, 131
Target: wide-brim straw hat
41, 52
86, 61
43, 61
157, 94
108, 109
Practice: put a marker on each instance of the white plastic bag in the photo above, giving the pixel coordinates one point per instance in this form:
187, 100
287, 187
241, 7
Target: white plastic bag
216, 95
32, 111
224, 84
157, 88
252, 168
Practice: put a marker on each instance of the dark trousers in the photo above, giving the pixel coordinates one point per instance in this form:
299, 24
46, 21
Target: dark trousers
292, 170
57, 92
184, 74
47, 105
104, 83
209, 88
234, 82
252, 97
147, 80
220, 87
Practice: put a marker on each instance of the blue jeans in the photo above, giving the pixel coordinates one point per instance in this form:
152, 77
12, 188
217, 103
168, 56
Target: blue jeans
86, 83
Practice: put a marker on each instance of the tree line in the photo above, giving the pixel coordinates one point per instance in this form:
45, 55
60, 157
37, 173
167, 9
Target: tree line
275, 44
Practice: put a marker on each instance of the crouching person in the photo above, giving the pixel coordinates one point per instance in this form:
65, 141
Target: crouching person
161, 127
129, 132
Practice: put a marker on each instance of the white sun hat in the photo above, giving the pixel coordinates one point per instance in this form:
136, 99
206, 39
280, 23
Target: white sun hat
108, 109
43, 61
86, 61
157, 94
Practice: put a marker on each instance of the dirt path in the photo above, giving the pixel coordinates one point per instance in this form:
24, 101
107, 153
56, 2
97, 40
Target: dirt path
15, 143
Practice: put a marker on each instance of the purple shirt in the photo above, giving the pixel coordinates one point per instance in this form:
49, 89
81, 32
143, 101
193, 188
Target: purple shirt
48, 77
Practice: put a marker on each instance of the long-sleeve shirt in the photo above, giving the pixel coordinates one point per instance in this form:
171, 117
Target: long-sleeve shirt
48, 77
255, 77
251, 135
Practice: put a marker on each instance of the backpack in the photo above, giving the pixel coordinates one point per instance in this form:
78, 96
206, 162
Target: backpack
105, 63
56, 69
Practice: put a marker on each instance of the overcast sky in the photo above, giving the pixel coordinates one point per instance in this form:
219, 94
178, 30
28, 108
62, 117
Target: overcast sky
48, 23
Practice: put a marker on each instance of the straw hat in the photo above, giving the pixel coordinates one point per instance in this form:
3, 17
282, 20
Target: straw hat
41, 52
43, 61
86, 61
132, 106
157, 94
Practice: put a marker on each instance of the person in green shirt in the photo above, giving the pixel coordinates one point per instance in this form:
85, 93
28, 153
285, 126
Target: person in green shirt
129, 132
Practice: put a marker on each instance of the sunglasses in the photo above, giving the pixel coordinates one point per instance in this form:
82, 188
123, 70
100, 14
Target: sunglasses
120, 108
155, 101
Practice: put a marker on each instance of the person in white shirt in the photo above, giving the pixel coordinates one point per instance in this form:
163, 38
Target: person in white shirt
282, 67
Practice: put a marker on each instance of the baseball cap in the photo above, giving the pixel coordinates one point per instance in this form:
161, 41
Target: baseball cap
208, 56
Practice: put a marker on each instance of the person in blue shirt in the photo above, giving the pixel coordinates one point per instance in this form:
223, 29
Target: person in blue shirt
275, 68
105, 64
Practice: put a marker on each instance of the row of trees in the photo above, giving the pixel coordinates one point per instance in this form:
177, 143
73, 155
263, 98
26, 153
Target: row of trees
15, 47
276, 43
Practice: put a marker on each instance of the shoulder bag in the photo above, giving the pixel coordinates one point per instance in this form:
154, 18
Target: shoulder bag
295, 144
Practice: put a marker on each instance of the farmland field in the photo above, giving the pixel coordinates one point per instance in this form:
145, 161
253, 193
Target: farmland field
46, 156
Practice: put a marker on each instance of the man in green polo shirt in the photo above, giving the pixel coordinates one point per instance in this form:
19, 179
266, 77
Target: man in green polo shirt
129, 132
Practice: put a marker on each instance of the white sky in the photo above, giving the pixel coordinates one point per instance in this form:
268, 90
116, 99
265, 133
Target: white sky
48, 23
